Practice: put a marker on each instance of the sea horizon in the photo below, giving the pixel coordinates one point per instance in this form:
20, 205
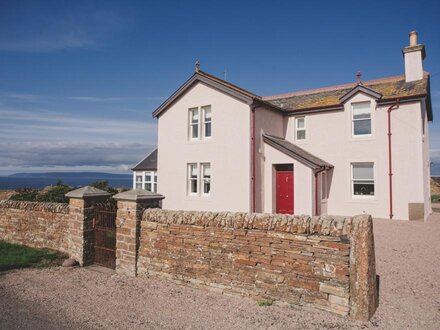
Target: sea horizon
10, 182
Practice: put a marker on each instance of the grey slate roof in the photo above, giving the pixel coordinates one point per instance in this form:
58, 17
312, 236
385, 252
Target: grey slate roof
296, 152
149, 163
328, 98
390, 88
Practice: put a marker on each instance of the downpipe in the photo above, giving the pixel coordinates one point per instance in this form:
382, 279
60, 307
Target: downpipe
395, 106
253, 158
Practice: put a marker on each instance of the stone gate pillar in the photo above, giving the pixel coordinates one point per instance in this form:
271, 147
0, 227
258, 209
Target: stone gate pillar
131, 205
81, 206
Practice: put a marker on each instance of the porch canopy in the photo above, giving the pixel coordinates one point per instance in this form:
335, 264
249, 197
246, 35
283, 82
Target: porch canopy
292, 150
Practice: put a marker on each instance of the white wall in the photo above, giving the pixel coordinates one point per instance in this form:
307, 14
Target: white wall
329, 137
426, 163
413, 66
266, 122
228, 151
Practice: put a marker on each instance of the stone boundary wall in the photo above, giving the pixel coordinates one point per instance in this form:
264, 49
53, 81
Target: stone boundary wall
35, 224
325, 262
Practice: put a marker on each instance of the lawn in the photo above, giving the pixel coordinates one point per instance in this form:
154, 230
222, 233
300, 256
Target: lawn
14, 256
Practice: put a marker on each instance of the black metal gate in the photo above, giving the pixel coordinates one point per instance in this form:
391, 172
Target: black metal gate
104, 235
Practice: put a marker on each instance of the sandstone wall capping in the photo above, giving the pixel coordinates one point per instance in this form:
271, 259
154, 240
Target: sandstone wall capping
299, 224
35, 206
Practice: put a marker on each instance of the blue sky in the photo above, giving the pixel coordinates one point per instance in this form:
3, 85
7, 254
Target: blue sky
79, 79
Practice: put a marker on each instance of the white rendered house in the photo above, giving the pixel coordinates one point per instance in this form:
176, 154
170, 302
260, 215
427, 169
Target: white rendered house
349, 149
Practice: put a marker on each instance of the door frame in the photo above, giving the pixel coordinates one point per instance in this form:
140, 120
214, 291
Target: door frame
284, 168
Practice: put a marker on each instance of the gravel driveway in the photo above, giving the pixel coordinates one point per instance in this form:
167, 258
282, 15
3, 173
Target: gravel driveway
408, 262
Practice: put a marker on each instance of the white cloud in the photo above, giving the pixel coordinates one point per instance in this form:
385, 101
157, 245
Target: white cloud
21, 97
18, 122
71, 154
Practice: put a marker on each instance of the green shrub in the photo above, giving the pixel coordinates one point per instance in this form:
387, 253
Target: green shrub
25, 194
55, 194
435, 198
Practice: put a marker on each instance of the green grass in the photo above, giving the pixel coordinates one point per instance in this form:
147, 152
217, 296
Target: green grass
13, 256
264, 303
435, 198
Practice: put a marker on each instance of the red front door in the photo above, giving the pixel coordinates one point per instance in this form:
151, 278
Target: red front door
284, 192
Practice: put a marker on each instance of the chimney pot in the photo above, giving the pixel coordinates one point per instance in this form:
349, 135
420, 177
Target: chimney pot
413, 38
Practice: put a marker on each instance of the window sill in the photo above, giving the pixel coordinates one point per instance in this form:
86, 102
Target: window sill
200, 141
362, 137
365, 199
197, 198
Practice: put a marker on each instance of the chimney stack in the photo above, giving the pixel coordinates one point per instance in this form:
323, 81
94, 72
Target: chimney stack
414, 55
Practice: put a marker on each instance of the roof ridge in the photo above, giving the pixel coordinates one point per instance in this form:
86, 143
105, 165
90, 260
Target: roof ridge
224, 82
332, 88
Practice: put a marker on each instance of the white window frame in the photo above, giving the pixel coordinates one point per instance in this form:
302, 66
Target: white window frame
204, 121
300, 129
191, 124
354, 120
136, 181
202, 169
362, 180
190, 179
152, 181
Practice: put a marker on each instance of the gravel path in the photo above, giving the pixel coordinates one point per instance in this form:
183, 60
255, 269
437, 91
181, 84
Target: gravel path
408, 258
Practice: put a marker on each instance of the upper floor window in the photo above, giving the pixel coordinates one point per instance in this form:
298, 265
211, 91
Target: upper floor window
300, 128
206, 121
206, 175
194, 123
193, 179
361, 118
362, 179
200, 122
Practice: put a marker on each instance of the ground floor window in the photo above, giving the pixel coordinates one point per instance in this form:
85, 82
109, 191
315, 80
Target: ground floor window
199, 179
206, 174
146, 180
362, 179
151, 181
138, 181
193, 179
